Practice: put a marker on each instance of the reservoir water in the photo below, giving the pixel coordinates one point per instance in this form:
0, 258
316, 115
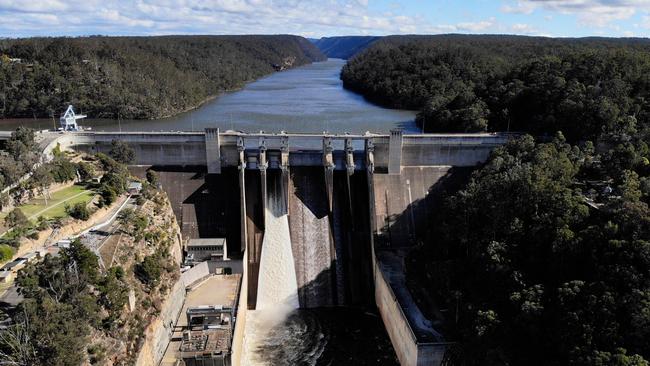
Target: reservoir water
310, 98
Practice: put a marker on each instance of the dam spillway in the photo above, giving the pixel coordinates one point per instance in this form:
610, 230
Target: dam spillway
311, 237
348, 200
331, 255
277, 284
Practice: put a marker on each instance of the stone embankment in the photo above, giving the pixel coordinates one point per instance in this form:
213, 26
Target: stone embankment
152, 306
158, 334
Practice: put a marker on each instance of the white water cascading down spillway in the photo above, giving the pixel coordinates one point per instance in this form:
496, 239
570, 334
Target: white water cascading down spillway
277, 294
277, 285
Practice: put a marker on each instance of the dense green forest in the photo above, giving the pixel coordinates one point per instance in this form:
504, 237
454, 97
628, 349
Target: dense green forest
136, 77
17, 158
344, 47
543, 256
496, 83
539, 263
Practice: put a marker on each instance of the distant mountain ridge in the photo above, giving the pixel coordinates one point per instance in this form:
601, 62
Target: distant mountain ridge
343, 47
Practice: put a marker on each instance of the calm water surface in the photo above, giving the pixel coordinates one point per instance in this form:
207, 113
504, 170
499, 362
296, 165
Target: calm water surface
306, 99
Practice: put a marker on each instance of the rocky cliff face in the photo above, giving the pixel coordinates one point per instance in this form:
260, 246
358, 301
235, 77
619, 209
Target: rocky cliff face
287, 63
136, 244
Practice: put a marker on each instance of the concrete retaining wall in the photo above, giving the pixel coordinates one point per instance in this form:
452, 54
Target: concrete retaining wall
159, 332
395, 322
409, 351
195, 273
235, 265
240, 321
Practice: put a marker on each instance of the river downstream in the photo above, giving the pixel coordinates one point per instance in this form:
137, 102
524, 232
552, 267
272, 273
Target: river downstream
310, 98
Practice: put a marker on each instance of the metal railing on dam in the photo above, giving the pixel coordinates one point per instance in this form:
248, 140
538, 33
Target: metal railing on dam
217, 149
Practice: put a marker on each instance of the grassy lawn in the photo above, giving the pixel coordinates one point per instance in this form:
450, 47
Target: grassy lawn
56, 204
59, 210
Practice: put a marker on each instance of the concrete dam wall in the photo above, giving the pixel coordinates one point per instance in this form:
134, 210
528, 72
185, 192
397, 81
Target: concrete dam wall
151, 148
198, 200
325, 219
331, 242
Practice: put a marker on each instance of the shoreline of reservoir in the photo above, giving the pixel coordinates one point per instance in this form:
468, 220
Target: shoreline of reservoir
308, 98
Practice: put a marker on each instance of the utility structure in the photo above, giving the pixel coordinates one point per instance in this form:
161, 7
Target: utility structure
69, 120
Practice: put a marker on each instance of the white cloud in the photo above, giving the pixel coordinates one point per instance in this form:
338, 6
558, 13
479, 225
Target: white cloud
32, 6
592, 13
520, 7
476, 26
142, 17
522, 28
208, 16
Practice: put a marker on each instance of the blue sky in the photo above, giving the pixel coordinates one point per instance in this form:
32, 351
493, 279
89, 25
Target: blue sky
316, 18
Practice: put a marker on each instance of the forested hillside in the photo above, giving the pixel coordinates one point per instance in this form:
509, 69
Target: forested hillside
528, 273
136, 77
344, 47
543, 257
477, 83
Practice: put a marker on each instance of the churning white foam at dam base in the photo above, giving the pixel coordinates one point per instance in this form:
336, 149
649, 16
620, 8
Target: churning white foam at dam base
275, 337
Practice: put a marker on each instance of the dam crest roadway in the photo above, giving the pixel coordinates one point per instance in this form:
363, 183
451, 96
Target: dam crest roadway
217, 150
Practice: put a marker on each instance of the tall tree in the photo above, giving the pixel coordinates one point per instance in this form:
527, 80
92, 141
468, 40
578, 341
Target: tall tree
122, 152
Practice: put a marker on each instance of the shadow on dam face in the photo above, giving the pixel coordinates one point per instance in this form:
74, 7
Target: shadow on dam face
311, 238
352, 236
205, 205
405, 207
405, 204
331, 245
